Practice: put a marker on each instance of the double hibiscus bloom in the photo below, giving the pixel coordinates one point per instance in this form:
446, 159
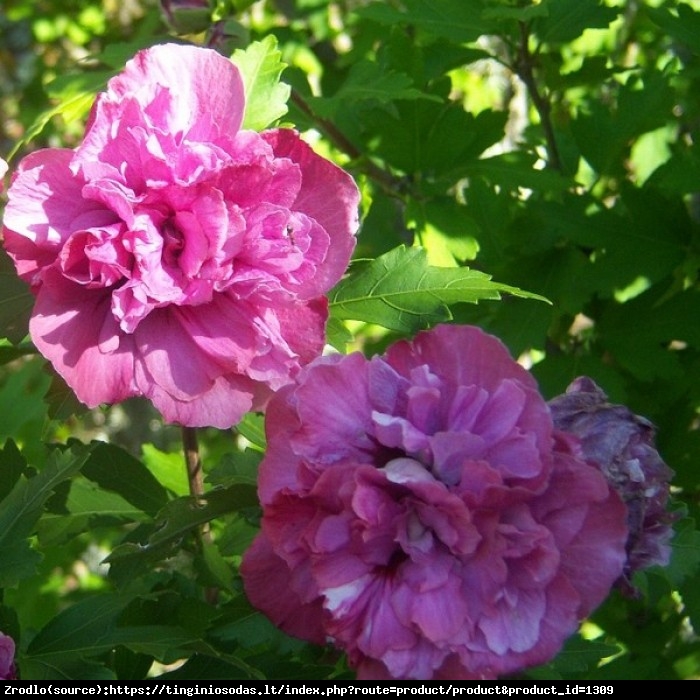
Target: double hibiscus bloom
433, 516
174, 255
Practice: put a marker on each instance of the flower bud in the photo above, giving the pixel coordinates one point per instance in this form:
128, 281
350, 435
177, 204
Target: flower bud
227, 35
187, 16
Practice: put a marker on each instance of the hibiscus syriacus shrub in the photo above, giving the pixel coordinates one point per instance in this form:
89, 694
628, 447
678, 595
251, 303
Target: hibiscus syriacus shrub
249, 428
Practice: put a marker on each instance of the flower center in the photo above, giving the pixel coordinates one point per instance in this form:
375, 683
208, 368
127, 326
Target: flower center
173, 243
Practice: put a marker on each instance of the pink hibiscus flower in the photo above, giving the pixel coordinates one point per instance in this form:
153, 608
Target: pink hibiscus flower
174, 255
421, 513
8, 672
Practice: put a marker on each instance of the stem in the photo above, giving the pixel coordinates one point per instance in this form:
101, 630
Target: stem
392, 185
193, 463
525, 68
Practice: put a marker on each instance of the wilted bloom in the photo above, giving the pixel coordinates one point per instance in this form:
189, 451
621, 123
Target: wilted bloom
622, 444
8, 671
174, 255
421, 513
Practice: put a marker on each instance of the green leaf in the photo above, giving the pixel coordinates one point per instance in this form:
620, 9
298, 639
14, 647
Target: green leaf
445, 229
71, 109
517, 169
685, 552
581, 654
164, 642
690, 593
520, 14
400, 291
637, 333
626, 667
337, 334
247, 627
418, 136
130, 665
216, 567
10, 354
23, 412
204, 668
176, 521
456, 20
16, 302
81, 629
181, 516
679, 174
12, 466
76, 669
252, 428
604, 134
115, 54
266, 96
64, 87
57, 530
115, 469
578, 656
23, 506
62, 403
128, 561
568, 19
238, 468
87, 498
681, 22
237, 536
167, 467
63, 647
369, 81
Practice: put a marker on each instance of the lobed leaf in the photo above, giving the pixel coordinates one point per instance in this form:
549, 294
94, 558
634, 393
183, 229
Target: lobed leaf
565, 20
369, 81
457, 20
176, 521
115, 469
167, 468
81, 629
181, 516
400, 291
266, 96
21, 509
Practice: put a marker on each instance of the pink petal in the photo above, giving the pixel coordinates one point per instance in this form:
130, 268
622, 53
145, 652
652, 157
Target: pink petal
328, 195
76, 332
340, 424
266, 579
191, 108
45, 206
